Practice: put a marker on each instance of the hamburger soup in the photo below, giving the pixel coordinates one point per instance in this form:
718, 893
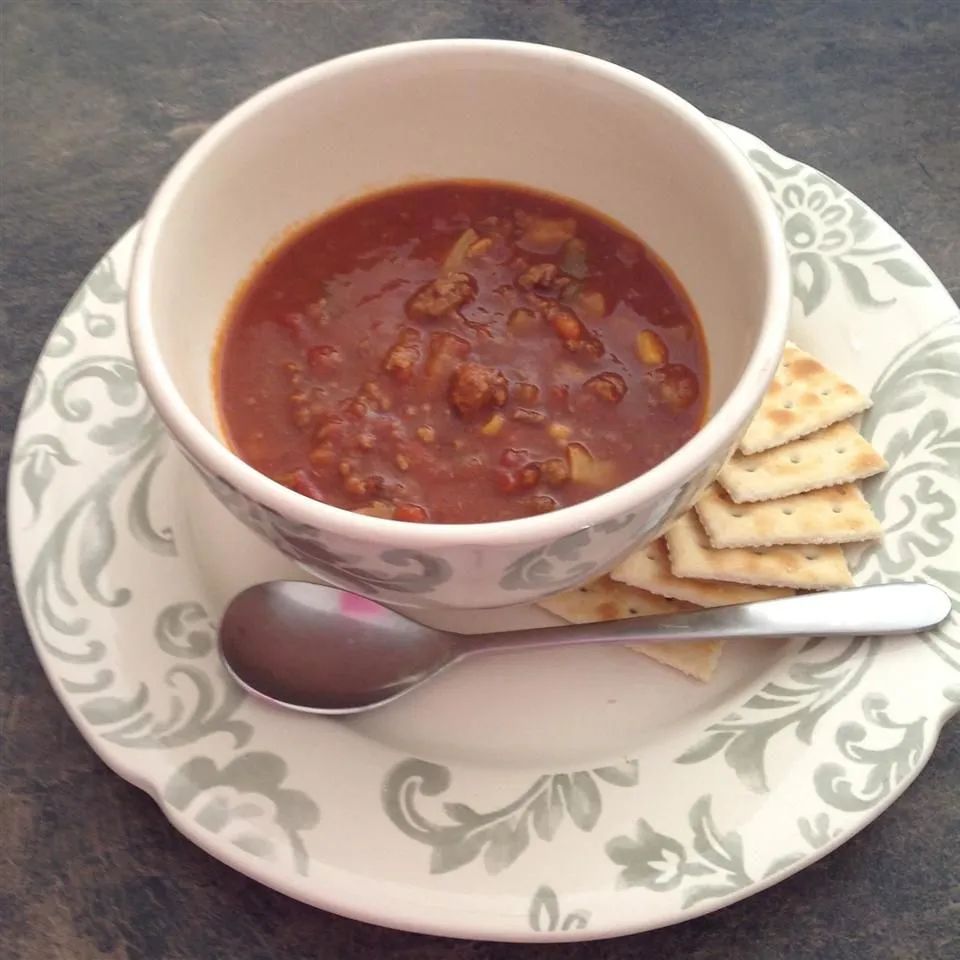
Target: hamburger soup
460, 352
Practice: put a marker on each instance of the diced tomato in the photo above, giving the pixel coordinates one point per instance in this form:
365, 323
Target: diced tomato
410, 513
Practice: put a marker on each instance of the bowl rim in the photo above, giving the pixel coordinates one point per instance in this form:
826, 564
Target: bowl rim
710, 442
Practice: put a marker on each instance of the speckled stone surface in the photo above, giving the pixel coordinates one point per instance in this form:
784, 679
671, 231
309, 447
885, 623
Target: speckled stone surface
99, 98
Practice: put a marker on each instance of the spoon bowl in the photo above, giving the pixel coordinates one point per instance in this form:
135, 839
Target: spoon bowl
319, 649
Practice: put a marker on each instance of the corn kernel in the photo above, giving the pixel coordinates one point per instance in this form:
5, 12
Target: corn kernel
479, 247
493, 426
650, 348
594, 303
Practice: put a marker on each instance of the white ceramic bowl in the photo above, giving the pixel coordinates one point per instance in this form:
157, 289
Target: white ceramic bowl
528, 114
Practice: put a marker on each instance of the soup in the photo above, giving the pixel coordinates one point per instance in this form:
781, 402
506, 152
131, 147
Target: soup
460, 352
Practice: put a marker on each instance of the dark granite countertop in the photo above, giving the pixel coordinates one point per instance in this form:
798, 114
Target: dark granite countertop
98, 99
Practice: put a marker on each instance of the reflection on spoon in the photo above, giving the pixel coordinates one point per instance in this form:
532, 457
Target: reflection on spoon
322, 650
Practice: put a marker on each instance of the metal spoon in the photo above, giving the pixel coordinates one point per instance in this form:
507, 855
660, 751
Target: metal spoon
321, 650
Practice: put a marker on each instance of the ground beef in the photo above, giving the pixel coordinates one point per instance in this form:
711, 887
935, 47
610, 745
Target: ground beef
441, 297
402, 357
474, 387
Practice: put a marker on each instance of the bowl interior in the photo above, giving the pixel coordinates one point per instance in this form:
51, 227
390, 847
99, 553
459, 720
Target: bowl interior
558, 121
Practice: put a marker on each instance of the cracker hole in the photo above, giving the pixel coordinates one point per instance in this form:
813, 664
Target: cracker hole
634, 612
757, 553
825, 393
787, 404
794, 459
787, 511
736, 513
750, 469
838, 509
811, 556
841, 449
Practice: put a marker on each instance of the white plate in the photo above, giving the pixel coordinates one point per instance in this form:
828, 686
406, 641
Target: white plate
580, 794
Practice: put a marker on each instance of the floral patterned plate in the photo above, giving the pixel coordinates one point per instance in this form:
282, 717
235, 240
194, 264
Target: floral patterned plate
581, 794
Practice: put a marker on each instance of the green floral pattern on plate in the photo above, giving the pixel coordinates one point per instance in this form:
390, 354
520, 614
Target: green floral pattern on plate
830, 235
246, 802
811, 687
712, 864
74, 571
546, 916
660, 863
887, 766
503, 834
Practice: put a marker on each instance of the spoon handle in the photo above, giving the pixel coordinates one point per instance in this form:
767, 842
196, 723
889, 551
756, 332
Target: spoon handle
865, 611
